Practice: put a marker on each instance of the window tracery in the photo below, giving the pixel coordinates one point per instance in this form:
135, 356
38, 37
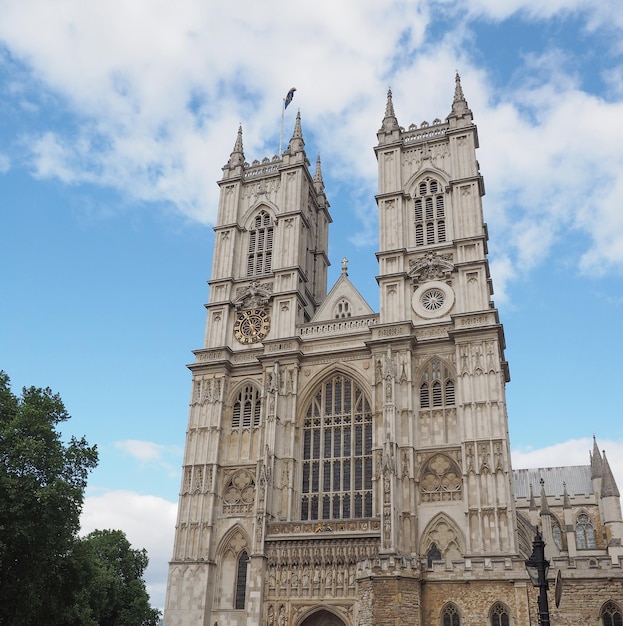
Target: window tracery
450, 615
441, 480
584, 533
611, 615
499, 615
337, 453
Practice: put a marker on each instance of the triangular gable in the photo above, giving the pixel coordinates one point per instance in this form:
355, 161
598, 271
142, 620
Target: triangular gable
342, 290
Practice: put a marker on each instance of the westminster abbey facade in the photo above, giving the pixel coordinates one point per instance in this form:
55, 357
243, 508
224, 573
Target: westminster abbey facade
346, 467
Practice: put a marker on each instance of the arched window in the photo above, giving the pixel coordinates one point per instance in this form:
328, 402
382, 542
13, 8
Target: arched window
611, 615
557, 533
259, 260
437, 386
430, 225
241, 581
450, 615
584, 533
337, 453
342, 309
247, 408
499, 615
434, 554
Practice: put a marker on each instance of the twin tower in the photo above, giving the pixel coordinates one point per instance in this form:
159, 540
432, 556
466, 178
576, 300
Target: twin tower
346, 467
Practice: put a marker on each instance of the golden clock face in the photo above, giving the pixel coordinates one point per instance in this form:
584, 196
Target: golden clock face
251, 326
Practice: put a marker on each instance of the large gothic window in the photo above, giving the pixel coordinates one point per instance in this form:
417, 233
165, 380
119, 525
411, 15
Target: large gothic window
611, 615
450, 615
337, 453
430, 219
584, 533
437, 387
259, 259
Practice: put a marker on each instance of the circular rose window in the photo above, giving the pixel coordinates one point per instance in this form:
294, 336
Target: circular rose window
433, 299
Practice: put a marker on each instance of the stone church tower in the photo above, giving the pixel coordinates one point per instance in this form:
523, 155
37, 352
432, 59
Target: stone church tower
345, 467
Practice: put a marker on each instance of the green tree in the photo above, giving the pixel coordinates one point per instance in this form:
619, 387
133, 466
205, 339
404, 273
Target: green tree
42, 483
117, 593
48, 574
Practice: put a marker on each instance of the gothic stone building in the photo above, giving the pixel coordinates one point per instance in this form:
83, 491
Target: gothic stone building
345, 467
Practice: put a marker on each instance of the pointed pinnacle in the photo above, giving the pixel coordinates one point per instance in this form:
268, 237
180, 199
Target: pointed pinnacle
390, 123
298, 132
608, 483
566, 503
532, 502
237, 155
389, 107
596, 464
318, 174
458, 90
238, 144
544, 506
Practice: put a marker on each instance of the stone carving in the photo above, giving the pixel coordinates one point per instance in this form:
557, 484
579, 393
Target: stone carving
431, 266
254, 295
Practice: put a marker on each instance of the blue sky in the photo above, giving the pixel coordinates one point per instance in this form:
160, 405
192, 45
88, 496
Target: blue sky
116, 117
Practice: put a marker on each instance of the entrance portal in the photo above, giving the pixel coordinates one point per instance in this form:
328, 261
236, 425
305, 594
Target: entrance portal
323, 618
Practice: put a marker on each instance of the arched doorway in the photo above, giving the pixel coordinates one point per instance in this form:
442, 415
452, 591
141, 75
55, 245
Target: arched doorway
322, 618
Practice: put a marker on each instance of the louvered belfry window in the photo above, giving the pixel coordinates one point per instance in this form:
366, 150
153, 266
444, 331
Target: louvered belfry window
259, 259
430, 218
437, 386
247, 408
337, 453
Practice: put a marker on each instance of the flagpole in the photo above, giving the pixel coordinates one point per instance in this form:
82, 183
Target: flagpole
283, 113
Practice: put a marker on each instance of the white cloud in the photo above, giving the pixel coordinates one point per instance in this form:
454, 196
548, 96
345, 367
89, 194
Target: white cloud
147, 521
572, 452
157, 107
141, 450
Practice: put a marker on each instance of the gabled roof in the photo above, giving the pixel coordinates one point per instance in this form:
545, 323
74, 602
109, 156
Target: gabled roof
575, 478
343, 289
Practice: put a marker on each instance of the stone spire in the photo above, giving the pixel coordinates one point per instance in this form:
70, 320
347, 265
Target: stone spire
458, 90
319, 185
296, 143
389, 131
461, 114
237, 156
389, 121
318, 182
596, 464
608, 483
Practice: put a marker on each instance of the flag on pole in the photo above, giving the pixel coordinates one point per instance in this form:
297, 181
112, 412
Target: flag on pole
289, 97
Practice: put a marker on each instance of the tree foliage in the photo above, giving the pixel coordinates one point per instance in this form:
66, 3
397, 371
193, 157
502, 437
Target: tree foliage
118, 595
48, 575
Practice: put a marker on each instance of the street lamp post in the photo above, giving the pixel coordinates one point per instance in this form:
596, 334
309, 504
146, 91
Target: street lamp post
537, 566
